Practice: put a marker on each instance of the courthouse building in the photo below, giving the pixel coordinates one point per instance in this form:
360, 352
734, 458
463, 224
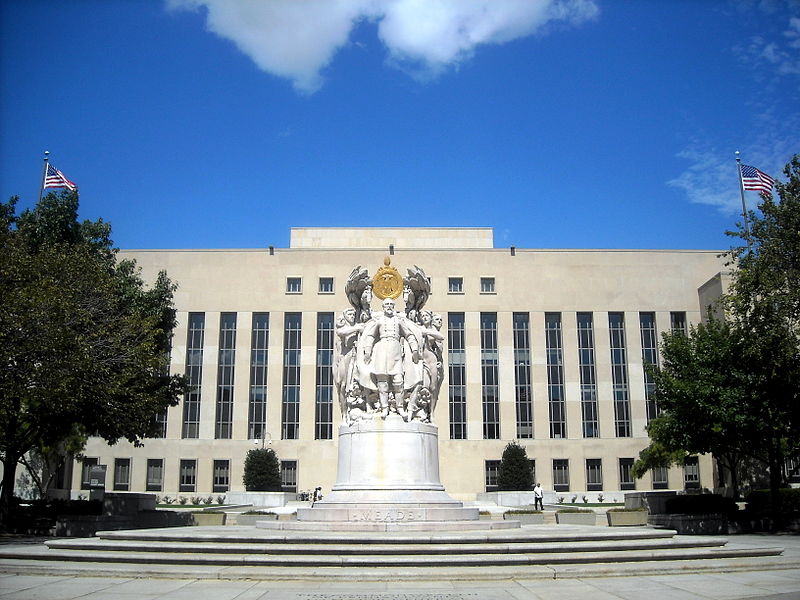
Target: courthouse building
545, 347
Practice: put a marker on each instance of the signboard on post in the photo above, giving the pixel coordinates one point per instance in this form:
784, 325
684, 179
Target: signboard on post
97, 477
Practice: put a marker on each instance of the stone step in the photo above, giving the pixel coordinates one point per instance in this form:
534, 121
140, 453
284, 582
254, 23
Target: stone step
397, 560
373, 550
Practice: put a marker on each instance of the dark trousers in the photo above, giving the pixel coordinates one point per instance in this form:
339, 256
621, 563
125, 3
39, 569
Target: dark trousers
537, 503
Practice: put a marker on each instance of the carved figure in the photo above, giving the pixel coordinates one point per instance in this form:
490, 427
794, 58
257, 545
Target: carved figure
384, 356
389, 361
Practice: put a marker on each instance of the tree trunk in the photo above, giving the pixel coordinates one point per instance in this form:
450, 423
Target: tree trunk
775, 480
7, 492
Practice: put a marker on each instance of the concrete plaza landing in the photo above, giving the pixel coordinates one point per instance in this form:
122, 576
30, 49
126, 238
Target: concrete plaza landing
769, 579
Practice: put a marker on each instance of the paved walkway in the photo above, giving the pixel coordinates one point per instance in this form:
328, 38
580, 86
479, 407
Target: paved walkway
783, 584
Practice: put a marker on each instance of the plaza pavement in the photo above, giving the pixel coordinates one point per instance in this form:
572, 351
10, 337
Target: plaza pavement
771, 580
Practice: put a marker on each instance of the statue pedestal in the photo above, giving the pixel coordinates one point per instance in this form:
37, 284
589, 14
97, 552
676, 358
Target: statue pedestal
388, 472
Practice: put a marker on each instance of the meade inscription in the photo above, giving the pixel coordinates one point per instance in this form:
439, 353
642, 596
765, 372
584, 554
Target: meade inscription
390, 514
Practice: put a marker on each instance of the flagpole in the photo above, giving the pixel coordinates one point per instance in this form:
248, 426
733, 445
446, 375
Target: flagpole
744, 206
44, 175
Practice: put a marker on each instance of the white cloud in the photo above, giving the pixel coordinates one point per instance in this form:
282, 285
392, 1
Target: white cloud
297, 39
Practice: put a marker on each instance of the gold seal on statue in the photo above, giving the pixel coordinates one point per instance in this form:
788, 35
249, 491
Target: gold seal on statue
387, 283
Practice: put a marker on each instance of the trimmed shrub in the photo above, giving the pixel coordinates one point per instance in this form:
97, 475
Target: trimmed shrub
574, 510
262, 471
759, 501
700, 504
515, 469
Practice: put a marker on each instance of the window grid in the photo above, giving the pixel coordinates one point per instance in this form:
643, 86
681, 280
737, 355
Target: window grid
294, 285
155, 474
323, 411
677, 322
122, 474
691, 473
326, 285
456, 366
487, 285
223, 425
619, 375
594, 474
194, 371
626, 480
660, 478
561, 474
222, 476
491, 470
489, 386
289, 475
588, 374
290, 409
455, 285
647, 326
555, 375
257, 404
522, 375
188, 475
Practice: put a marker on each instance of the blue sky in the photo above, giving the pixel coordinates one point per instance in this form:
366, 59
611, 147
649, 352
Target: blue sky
563, 123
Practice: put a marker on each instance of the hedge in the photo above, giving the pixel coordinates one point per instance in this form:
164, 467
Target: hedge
759, 501
700, 504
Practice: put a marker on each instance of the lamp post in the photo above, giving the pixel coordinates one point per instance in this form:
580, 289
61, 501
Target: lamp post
265, 435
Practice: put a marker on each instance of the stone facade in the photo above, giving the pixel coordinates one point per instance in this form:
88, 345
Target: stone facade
518, 311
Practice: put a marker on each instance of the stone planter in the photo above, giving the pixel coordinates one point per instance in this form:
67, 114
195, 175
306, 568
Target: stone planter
712, 524
576, 518
251, 520
525, 518
209, 518
627, 518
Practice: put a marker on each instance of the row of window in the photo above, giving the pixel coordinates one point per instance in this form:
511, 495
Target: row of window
221, 469
325, 285
594, 474
456, 365
187, 475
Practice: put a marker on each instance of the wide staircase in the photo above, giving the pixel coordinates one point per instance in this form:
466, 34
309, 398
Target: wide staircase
535, 551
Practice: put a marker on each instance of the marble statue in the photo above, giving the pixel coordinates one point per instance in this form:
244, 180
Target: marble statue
388, 362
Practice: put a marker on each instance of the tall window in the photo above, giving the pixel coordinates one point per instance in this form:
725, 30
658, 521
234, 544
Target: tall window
456, 366
586, 366
257, 405
626, 480
323, 411
223, 426
555, 375
122, 474
194, 371
491, 470
677, 322
619, 374
289, 475
522, 375
594, 474
647, 326
188, 476
290, 409
489, 390
222, 476
561, 474
155, 475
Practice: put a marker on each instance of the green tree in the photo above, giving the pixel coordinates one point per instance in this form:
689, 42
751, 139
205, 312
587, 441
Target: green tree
733, 388
84, 344
515, 469
262, 471
701, 391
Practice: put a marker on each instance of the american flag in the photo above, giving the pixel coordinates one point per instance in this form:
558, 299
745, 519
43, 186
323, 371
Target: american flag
55, 179
754, 179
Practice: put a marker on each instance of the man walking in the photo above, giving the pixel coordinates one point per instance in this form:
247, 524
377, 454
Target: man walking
538, 495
